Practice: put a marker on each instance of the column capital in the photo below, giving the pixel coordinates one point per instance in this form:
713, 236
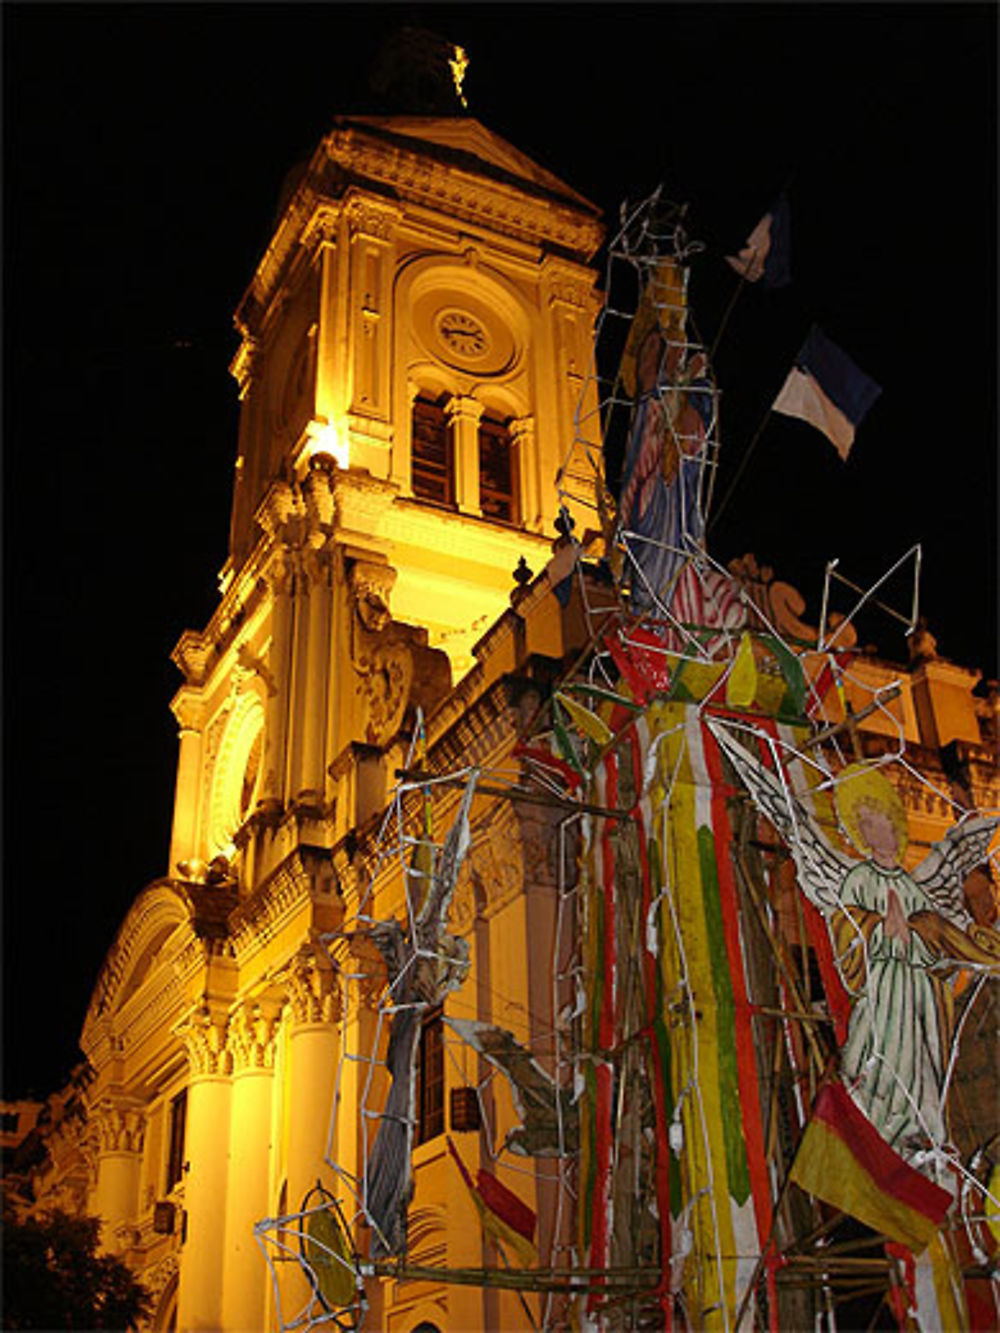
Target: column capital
522, 428
313, 987
118, 1125
371, 220
203, 1033
250, 1038
463, 408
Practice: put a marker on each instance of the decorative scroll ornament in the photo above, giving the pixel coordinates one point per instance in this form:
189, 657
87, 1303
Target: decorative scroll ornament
371, 586
387, 689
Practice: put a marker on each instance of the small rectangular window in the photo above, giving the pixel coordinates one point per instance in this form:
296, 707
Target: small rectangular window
431, 454
175, 1155
496, 471
430, 1078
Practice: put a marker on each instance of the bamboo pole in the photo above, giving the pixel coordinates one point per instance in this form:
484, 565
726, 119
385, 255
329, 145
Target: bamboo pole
575, 1281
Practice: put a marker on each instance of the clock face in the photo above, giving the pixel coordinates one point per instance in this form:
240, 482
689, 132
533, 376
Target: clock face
463, 334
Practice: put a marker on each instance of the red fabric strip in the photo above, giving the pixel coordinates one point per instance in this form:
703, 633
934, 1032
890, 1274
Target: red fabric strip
836, 1109
659, 1089
505, 1203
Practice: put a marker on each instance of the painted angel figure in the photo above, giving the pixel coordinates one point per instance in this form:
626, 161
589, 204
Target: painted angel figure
898, 936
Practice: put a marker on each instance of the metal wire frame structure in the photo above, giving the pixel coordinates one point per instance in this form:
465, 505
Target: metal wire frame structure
812, 1265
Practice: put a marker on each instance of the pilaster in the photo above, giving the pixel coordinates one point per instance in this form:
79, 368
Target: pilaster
310, 709
280, 579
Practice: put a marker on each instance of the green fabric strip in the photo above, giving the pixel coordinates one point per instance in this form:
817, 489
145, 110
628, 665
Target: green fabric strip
729, 1088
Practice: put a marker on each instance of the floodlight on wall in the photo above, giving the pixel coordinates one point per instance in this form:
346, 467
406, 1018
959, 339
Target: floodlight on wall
324, 437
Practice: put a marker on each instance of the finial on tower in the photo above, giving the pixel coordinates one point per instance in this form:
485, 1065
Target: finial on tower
420, 73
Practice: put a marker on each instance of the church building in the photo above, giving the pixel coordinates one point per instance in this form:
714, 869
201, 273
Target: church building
416, 441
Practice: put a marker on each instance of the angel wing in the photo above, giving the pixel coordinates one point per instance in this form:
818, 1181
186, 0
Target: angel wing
550, 1121
943, 870
821, 867
430, 922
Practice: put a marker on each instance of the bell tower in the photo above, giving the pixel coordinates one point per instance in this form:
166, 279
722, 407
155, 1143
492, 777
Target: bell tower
414, 346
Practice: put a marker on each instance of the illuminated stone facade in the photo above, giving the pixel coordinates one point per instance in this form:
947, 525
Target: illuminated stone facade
416, 259
422, 272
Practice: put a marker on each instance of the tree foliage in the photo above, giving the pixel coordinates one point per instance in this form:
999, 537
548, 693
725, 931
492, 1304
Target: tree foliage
53, 1277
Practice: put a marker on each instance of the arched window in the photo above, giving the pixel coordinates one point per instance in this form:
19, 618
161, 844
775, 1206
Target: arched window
432, 471
497, 471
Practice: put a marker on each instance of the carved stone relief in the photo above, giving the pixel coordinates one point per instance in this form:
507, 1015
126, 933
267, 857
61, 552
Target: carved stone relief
203, 1033
313, 987
118, 1126
371, 585
250, 1037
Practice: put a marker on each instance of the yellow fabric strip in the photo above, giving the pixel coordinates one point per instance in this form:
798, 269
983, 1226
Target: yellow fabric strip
826, 1167
710, 1272
589, 723
510, 1239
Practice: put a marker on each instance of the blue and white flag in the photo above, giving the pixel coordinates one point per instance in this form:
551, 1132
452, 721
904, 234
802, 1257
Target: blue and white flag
766, 257
827, 389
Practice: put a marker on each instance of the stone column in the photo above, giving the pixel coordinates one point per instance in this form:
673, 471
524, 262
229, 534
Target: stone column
206, 1153
272, 788
119, 1130
525, 461
464, 414
187, 709
313, 1050
250, 1044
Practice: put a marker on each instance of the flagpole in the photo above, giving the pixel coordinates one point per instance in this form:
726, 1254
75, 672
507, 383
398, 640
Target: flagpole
725, 318
739, 471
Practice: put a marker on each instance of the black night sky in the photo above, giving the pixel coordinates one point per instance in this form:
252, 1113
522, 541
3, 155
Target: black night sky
145, 147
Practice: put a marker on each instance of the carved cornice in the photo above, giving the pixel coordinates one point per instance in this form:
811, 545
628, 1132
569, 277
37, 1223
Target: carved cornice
250, 1036
203, 1033
363, 502
313, 987
304, 876
512, 209
118, 1125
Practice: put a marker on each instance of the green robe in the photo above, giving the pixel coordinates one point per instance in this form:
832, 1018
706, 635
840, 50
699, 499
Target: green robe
896, 1050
